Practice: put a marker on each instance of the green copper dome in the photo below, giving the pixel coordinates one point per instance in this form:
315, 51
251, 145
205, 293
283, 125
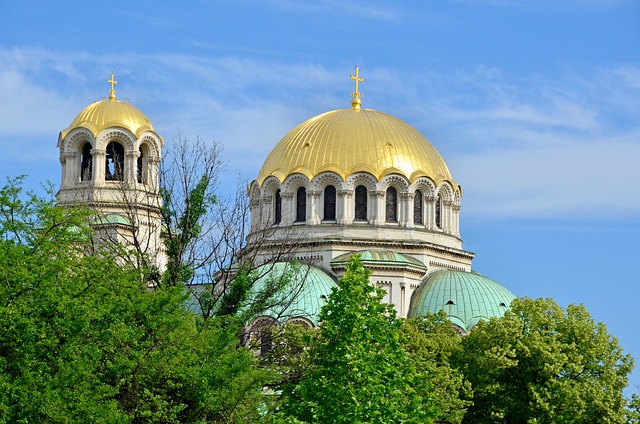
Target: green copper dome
304, 296
112, 219
379, 257
466, 297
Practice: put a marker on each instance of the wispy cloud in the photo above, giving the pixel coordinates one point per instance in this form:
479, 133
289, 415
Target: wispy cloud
521, 147
368, 10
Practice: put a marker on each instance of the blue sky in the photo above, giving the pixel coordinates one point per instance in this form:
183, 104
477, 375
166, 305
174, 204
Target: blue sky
535, 106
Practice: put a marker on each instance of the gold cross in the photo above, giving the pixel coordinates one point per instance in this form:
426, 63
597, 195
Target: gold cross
356, 79
112, 92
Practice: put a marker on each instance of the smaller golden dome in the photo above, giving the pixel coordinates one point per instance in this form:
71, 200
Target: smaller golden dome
110, 113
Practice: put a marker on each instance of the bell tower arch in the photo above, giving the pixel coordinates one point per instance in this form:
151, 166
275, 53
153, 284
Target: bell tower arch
109, 156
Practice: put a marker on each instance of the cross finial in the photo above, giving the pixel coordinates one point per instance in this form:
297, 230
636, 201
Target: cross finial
356, 102
112, 92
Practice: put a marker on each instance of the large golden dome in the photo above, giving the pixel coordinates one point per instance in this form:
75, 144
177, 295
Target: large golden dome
353, 140
110, 113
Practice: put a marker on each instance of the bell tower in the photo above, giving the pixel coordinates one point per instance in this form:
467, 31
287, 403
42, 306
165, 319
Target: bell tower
110, 155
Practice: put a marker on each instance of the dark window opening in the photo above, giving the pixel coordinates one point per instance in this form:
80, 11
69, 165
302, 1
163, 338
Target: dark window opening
266, 342
278, 208
450, 302
140, 164
114, 165
439, 211
392, 205
85, 163
330, 203
361, 203
417, 208
301, 205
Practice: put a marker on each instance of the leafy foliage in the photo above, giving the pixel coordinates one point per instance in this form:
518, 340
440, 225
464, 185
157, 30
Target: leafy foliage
431, 343
84, 340
361, 373
542, 364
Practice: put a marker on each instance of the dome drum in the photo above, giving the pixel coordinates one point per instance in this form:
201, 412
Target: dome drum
394, 202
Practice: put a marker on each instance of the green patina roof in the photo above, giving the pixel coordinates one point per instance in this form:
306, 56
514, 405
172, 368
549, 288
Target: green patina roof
466, 297
379, 257
112, 219
310, 287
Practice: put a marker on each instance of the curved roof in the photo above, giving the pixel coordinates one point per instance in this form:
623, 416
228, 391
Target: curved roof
112, 219
346, 141
304, 296
373, 257
466, 297
110, 113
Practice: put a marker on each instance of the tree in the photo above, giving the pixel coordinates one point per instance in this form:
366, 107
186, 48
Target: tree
85, 340
431, 341
540, 363
633, 409
205, 233
360, 371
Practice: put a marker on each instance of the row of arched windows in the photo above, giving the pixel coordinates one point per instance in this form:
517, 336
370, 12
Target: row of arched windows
114, 163
360, 206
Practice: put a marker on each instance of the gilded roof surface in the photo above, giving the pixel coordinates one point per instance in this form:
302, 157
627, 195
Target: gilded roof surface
110, 113
352, 140
466, 297
305, 294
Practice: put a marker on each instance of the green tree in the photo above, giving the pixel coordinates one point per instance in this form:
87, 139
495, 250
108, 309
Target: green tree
360, 371
84, 340
633, 409
543, 364
431, 342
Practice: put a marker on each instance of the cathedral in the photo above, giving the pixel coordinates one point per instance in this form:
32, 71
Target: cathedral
348, 181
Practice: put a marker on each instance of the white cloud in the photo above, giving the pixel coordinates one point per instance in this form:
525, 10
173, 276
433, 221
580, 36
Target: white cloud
367, 10
569, 180
525, 146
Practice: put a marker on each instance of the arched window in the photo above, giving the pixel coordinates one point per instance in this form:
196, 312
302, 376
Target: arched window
278, 208
417, 208
301, 204
392, 205
439, 211
142, 159
114, 166
85, 162
329, 203
361, 203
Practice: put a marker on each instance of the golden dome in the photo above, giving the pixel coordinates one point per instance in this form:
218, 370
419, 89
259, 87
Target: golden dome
110, 113
353, 140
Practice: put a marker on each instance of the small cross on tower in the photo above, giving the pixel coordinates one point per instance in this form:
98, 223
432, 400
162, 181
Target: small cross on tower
356, 102
112, 92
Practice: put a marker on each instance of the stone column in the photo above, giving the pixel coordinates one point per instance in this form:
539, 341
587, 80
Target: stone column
152, 173
267, 212
288, 208
430, 213
255, 218
456, 220
406, 209
313, 199
378, 211
446, 216
98, 166
344, 208
131, 167
69, 171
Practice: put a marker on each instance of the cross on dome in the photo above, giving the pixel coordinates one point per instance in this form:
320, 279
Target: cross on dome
356, 102
112, 91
